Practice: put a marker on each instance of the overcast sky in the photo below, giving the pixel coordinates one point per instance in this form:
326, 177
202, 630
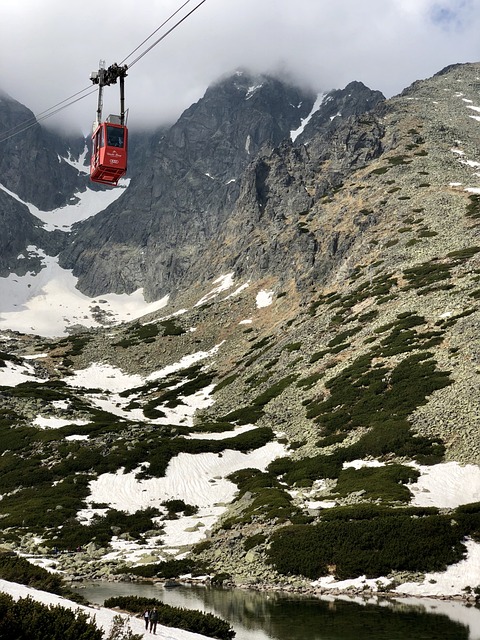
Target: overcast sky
49, 47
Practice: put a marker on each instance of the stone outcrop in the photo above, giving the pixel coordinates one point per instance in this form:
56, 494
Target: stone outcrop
165, 232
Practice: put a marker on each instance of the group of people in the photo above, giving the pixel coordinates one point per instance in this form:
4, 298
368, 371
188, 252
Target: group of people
151, 619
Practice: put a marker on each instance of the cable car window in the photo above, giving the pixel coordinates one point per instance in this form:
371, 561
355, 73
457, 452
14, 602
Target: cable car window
114, 137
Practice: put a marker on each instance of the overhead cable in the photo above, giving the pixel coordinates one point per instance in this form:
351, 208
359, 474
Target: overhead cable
47, 113
156, 30
165, 34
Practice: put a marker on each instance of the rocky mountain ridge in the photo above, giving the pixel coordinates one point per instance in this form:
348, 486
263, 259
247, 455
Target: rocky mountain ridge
346, 330
189, 186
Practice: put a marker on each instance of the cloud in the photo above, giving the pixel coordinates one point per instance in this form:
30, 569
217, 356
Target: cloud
453, 14
49, 48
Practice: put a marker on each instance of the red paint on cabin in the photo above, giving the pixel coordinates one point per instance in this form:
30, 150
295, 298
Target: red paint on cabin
109, 153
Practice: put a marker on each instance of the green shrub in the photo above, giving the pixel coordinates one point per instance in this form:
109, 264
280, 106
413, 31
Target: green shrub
335, 438
395, 436
174, 507
16, 569
371, 546
305, 471
138, 333
269, 499
225, 382
254, 541
473, 208
464, 254
426, 274
73, 535
385, 483
380, 171
343, 335
377, 398
311, 380
293, 346
398, 160
44, 505
26, 619
170, 328
273, 391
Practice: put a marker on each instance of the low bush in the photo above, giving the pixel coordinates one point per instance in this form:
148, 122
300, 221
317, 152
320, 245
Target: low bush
385, 483
44, 505
370, 546
174, 507
254, 541
473, 208
74, 535
26, 619
137, 334
269, 500
427, 273
16, 569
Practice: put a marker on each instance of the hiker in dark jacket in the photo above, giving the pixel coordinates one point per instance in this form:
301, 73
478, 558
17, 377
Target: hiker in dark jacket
153, 617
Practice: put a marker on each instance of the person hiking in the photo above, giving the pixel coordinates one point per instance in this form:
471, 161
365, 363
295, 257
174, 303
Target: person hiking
153, 617
145, 617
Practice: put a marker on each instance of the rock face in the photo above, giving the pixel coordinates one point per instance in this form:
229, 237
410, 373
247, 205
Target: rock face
36, 152
337, 106
20, 230
32, 166
197, 189
164, 233
365, 241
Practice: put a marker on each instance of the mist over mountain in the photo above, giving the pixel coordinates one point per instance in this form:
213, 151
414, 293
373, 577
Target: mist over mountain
304, 391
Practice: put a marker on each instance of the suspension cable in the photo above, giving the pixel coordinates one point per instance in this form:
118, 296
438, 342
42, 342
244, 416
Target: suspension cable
28, 124
154, 32
47, 113
165, 34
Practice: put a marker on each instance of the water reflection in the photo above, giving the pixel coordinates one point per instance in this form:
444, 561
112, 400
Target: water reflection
277, 616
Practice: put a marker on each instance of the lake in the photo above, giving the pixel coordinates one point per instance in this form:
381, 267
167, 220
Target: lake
278, 616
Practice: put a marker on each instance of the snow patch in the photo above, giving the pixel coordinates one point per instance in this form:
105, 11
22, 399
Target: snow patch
47, 302
13, 374
80, 165
253, 89
304, 121
360, 464
223, 283
55, 423
87, 204
264, 299
446, 485
198, 479
103, 376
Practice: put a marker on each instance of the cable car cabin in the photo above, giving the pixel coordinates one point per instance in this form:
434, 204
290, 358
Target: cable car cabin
109, 153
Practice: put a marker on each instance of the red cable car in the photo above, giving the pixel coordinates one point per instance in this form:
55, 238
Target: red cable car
110, 138
109, 152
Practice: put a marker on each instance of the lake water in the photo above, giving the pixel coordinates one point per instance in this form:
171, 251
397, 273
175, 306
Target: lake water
278, 616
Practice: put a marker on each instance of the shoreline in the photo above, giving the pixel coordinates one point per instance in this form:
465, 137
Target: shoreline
365, 593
